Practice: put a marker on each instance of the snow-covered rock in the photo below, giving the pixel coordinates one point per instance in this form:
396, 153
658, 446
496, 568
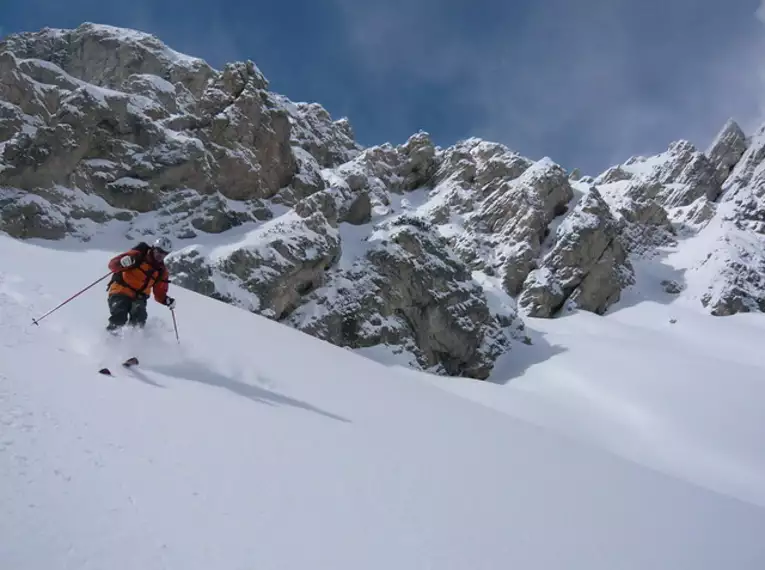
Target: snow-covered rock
586, 267
513, 220
164, 121
727, 149
614, 174
338, 204
29, 216
107, 56
646, 224
481, 164
330, 142
744, 184
682, 180
734, 268
707, 208
687, 174
738, 266
268, 271
411, 292
387, 168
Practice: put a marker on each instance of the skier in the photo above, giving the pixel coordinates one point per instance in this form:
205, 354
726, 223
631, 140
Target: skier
136, 274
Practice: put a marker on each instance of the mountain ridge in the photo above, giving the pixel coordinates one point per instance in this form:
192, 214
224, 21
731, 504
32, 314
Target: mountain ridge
438, 254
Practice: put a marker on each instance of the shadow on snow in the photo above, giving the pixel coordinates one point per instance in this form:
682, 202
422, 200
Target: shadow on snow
204, 375
514, 363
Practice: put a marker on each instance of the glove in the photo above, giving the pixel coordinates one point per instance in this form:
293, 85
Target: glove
170, 303
126, 261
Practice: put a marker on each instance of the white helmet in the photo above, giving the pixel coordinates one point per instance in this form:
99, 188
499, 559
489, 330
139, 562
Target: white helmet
163, 244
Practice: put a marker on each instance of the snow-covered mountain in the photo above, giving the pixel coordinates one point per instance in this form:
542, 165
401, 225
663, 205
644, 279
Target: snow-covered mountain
625, 434
431, 256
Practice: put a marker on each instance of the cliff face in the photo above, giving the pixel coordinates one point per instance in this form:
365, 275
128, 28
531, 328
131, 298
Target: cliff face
274, 207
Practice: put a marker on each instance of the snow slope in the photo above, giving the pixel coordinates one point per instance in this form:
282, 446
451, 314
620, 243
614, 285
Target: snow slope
252, 445
685, 398
657, 380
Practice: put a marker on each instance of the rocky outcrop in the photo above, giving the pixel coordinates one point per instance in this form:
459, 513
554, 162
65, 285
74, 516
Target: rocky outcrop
409, 291
108, 56
117, 114
614, 174
282, 260
682, 175
513, 220
727, 149
666, 197
738, 266
587, 266
743, 187
383, 169
331, 143
714, 202
679, 180
735, 265
338, 204
480, 164
645, 223
25, 216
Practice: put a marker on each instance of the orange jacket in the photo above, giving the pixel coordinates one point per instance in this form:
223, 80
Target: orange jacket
149, 275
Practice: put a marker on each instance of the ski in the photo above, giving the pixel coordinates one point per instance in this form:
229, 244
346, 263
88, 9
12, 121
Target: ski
132, 361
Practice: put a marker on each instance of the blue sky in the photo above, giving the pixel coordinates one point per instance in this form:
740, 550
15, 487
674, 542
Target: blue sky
587, 82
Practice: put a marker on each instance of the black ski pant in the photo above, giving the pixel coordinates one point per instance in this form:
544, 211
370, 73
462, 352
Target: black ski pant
125, 310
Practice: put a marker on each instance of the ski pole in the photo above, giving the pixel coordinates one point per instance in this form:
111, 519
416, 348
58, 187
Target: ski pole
175, 326
37, 321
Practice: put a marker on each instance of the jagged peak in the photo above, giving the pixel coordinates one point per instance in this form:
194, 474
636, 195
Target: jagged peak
419, 135
682, 146
480, 145
731, 130
617, 173
546, 162
29, 44
313, 108
133, 36
544, 167
418, 139
727, 148
119, 32
732, 125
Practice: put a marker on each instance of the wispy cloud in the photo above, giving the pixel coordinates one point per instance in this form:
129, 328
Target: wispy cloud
397, 38
760, 12
589, 83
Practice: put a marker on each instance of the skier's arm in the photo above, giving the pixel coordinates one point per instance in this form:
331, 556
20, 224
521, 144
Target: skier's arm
114, 262
160, 288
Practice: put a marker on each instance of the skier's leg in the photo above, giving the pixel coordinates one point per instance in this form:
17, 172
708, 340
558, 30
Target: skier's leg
119, 309
138, 313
